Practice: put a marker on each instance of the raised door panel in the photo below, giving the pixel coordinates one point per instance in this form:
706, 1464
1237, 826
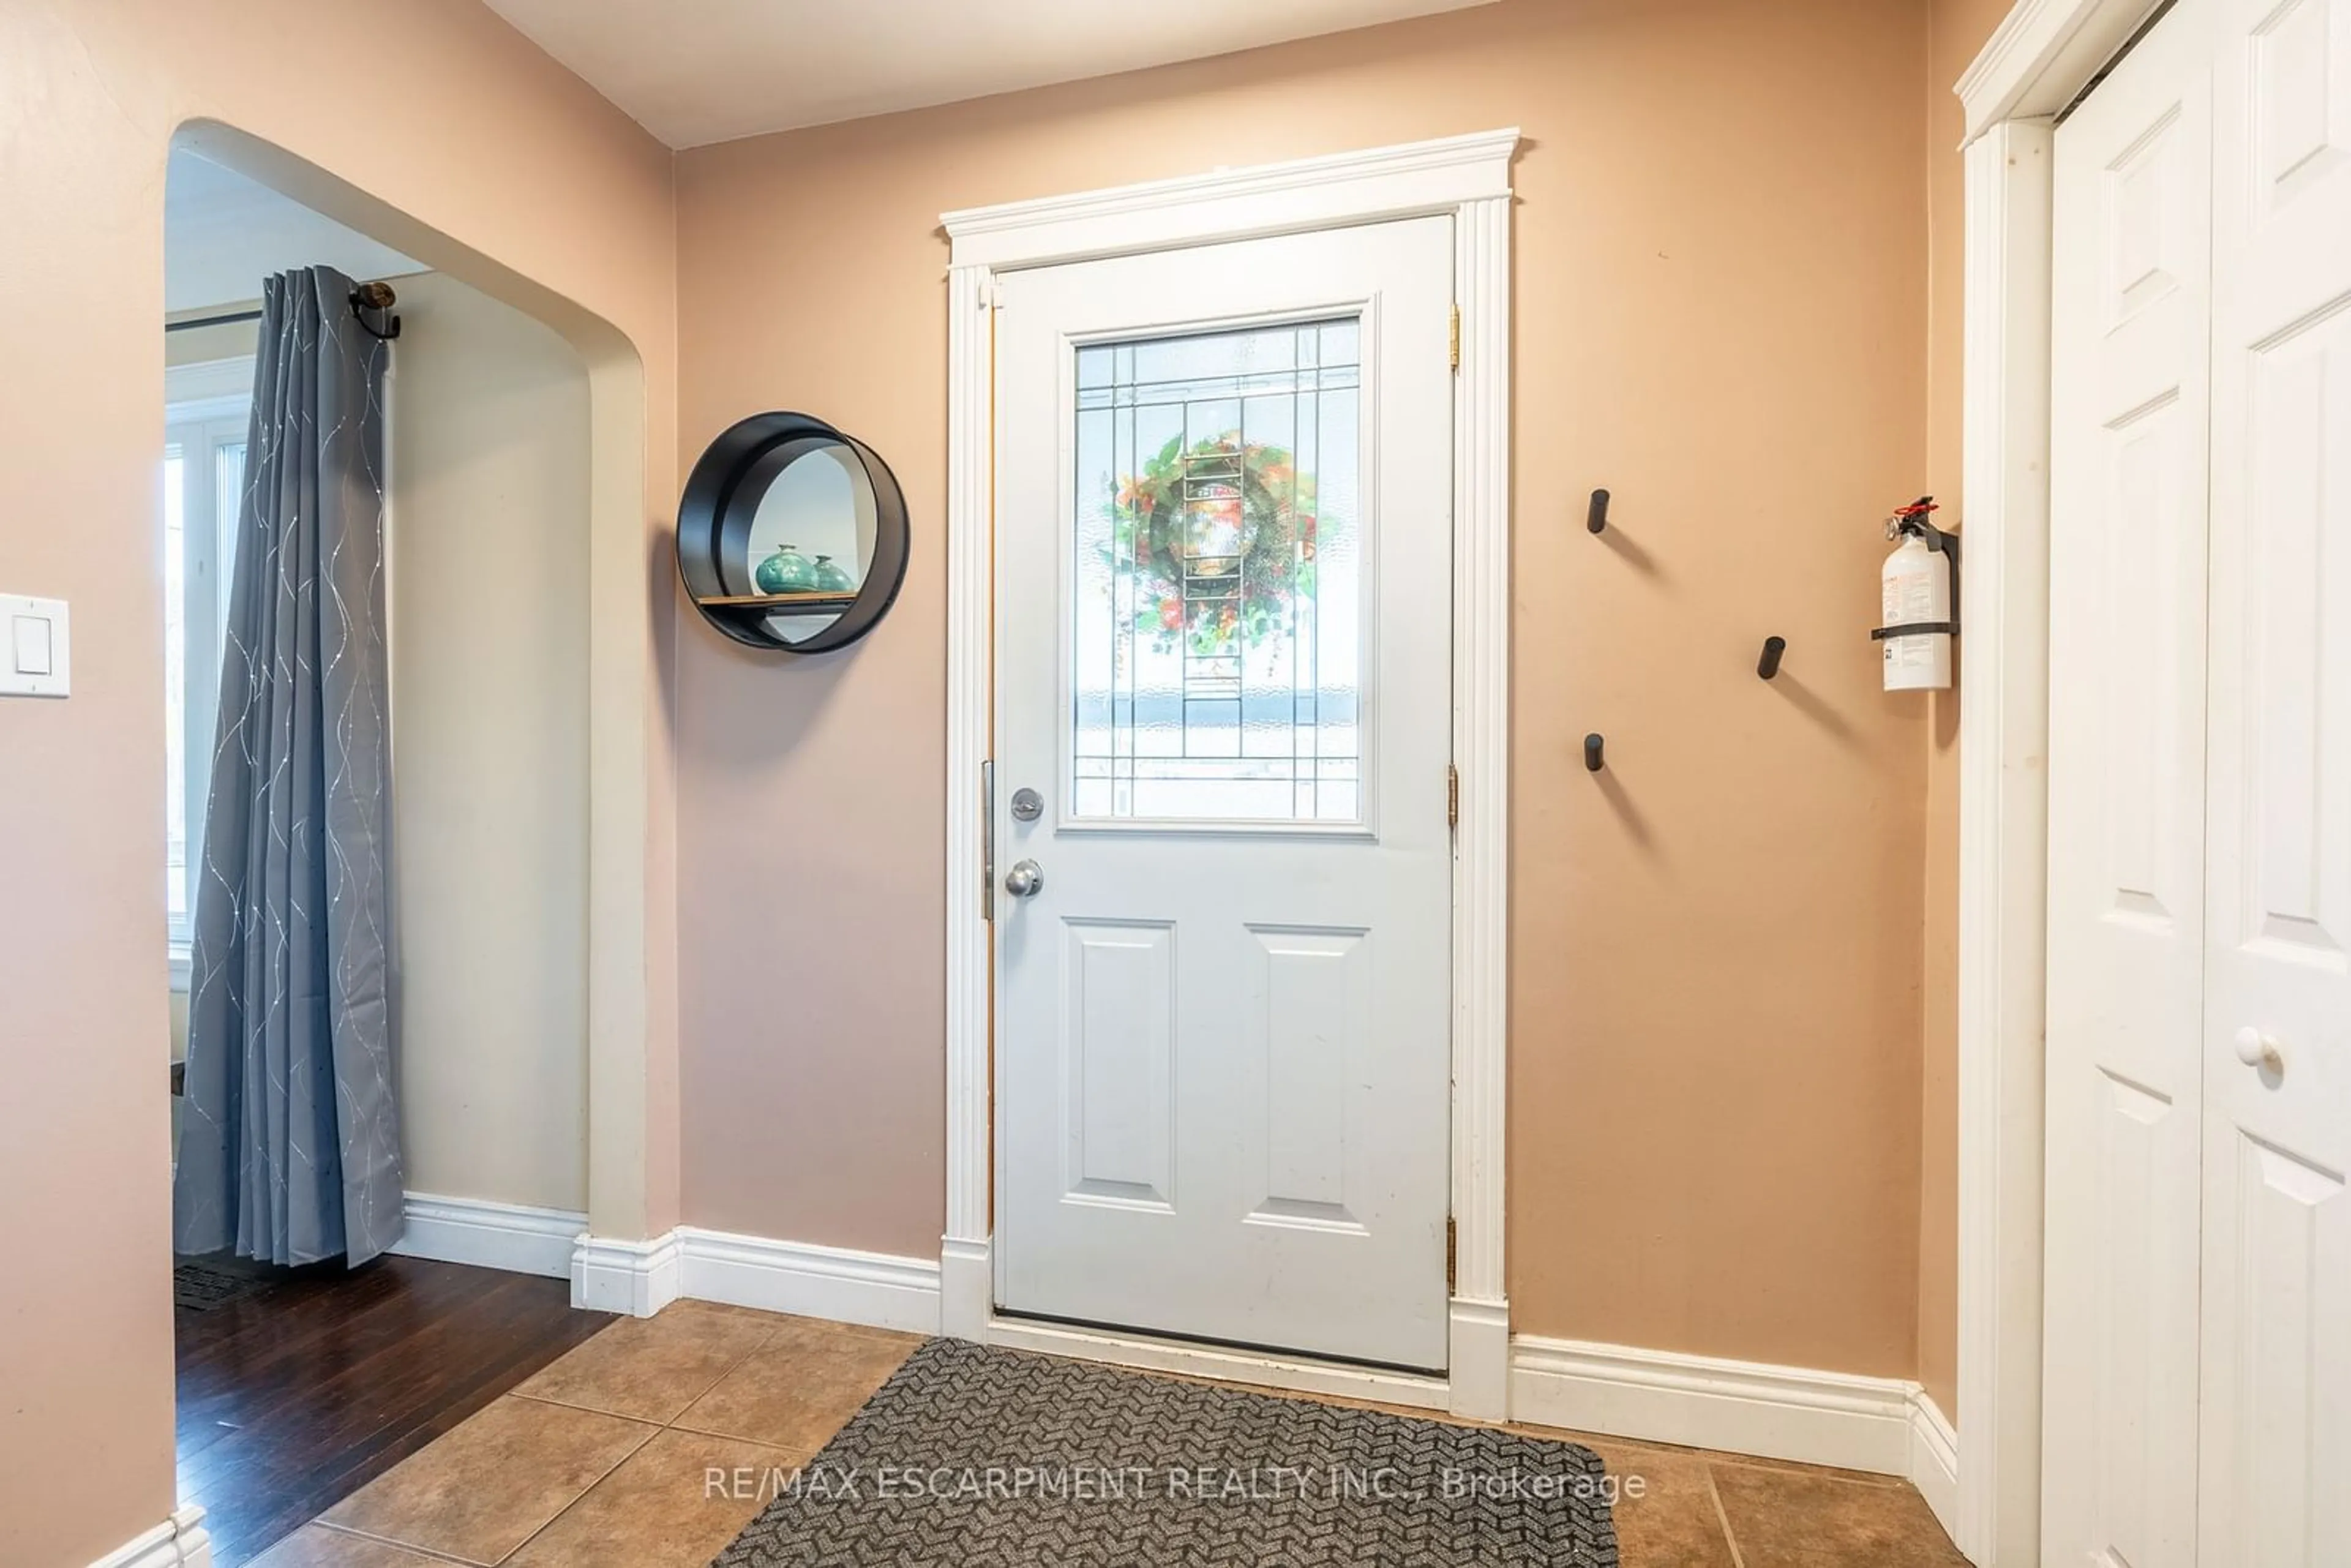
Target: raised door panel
1309, 1006
2128, 528
1118, 1103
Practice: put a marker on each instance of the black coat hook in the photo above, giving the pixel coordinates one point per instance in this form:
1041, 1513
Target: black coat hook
1597, 519
1592, 760
1769, 665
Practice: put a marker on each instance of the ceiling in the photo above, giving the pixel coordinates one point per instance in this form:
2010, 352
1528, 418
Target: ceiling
697, 71
222, 234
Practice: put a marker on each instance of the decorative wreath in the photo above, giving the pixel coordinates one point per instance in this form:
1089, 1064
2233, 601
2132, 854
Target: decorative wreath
1231, 522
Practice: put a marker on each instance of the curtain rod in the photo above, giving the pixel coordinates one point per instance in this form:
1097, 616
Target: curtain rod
232, 316
366, 297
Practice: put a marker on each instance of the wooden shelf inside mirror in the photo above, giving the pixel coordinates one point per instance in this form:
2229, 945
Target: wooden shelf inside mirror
780, 603
859, 516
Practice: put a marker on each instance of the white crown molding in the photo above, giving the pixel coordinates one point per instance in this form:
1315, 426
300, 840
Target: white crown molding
1382, 183
180, 1541
834, 1283
514, 1236
1700, 1402
1465, 178
2042, 54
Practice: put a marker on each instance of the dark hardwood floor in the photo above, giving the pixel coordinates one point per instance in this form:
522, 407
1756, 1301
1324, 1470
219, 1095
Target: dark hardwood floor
292, 1399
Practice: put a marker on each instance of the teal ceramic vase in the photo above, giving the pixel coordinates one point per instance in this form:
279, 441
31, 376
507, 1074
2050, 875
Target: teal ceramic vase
831, 576
786, 571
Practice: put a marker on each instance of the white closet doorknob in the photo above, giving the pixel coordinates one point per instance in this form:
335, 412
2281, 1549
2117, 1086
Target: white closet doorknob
2255, 1049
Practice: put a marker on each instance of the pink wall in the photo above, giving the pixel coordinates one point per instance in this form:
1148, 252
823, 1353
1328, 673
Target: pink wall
502, 164
1721, 302
1719, 993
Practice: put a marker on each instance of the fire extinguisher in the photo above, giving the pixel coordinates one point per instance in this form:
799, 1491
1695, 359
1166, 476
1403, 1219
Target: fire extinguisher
1919, 594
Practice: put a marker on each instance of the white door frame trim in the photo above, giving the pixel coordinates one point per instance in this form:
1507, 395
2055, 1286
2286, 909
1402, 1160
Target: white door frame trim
1467, 178
2038, 62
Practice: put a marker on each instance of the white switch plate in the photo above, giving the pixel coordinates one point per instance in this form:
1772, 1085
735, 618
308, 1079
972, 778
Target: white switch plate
35, 653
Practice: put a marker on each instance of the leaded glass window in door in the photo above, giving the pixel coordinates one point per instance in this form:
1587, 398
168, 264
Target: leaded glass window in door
1218, 621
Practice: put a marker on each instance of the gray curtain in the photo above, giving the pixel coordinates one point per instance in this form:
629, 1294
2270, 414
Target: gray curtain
289, 1139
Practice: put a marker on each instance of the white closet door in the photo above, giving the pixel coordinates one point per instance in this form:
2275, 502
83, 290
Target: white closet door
2277, 1225
2126, 806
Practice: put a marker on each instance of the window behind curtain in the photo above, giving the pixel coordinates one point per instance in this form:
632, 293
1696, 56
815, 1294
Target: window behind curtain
203, 479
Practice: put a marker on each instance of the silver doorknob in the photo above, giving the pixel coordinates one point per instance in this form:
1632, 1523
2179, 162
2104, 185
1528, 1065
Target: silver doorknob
1024, 879
2255, 1049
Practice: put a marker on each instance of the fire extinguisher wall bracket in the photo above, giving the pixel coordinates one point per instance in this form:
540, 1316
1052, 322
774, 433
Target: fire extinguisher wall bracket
1948, 545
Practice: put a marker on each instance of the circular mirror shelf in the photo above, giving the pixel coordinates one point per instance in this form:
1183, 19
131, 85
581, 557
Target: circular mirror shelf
791, 534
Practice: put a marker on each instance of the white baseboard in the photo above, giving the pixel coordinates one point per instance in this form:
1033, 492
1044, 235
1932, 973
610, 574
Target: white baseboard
1881, 1424
1220, 1363
1478, 1358
640, 1278
510, 1236
180, 1541
849, 1286
966, 1290
1734, 1406
1935, 1461
636, 1278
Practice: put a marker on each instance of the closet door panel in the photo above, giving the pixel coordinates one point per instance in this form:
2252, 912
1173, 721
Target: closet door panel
2277, 1037
2128, 540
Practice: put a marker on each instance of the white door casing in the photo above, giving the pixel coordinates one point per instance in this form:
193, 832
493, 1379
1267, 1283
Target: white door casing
1467, 177
1222, 1058
2127, 528
2276, 1405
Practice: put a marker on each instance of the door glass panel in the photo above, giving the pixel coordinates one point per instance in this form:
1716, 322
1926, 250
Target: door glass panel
1217, 623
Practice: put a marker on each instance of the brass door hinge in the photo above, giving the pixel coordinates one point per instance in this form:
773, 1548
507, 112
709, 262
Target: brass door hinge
1452, 1278
1452, 796
1455, 346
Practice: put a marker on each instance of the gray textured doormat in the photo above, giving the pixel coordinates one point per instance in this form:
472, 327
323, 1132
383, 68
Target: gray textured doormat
999, 1459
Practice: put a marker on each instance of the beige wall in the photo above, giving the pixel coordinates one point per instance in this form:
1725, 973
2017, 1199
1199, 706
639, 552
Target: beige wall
1956, 30
482, 158
489, 689
1721, 300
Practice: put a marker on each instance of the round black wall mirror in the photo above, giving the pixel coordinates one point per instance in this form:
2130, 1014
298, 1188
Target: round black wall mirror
791, 534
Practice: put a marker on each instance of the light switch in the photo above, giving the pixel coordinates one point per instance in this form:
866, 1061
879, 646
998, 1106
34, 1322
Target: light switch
37, 661
32, 644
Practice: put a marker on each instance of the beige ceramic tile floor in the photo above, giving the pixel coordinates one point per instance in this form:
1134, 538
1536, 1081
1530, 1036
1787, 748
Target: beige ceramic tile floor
599, 1461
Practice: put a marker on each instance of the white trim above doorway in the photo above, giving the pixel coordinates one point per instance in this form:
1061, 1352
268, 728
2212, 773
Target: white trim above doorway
2041, 59
1467, 178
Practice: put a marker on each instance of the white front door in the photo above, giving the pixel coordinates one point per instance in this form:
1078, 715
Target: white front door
1223, 698
2277, 1222
2127, 543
